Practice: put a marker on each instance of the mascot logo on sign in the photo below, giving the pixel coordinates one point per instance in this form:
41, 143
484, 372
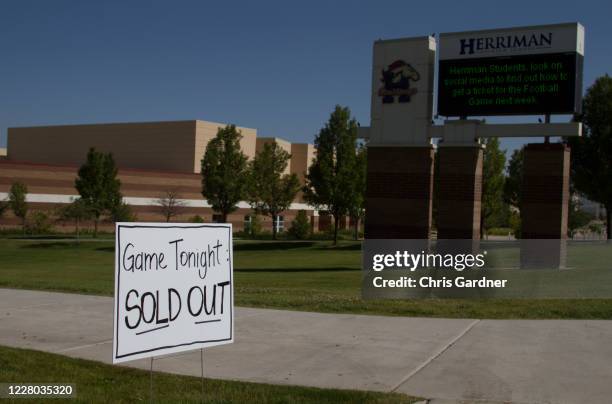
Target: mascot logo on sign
396, 82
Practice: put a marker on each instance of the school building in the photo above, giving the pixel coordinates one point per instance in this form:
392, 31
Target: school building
152, 159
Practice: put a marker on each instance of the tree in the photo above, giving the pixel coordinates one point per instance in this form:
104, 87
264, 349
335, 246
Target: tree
269, 191
494, 161
514, 179
577, 217
592, 154
595, 227
17, 202
78, 210
170, 204
357, 208
98, 185
332, 171
224, 168
515, 223
4, 206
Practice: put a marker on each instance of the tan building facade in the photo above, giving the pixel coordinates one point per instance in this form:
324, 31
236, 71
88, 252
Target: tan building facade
302, 155
176, 146
282, 143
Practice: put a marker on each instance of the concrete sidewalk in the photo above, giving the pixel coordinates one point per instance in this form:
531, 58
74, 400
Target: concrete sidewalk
520, 361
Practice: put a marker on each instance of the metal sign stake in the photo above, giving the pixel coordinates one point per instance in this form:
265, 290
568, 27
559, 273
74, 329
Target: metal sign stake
151, 382
202, 369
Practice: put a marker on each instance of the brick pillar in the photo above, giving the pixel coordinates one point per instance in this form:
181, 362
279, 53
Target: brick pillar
399, 192
545, 193
544, 204
459, 192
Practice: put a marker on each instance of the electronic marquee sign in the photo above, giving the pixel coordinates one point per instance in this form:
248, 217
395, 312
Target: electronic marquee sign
514, 71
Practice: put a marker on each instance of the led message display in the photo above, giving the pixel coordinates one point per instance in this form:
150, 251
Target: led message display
519, 71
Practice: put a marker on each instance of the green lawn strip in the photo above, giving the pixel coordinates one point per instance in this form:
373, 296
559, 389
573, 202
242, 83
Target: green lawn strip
305, 276
98, 382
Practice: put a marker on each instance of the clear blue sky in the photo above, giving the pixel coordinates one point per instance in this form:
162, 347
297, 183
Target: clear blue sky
279, 67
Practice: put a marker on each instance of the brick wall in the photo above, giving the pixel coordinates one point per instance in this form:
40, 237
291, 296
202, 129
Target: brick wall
399, 192
53, 182
545, 192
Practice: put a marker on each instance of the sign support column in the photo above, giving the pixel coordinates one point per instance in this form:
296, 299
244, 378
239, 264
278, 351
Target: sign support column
399, 192
460, 181
544, 204
400, 153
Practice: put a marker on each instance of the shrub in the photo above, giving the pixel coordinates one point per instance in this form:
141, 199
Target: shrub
596, 227
39, 223
300, 227
122, 212
499, 231
196, 219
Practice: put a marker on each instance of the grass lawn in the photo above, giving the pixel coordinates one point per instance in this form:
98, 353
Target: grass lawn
307, 276
97, 382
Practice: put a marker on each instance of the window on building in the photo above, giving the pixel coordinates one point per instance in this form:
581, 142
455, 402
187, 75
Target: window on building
279, 223
248, 221
217, 218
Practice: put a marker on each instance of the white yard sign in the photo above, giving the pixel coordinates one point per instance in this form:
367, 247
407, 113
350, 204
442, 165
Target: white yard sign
173, 288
